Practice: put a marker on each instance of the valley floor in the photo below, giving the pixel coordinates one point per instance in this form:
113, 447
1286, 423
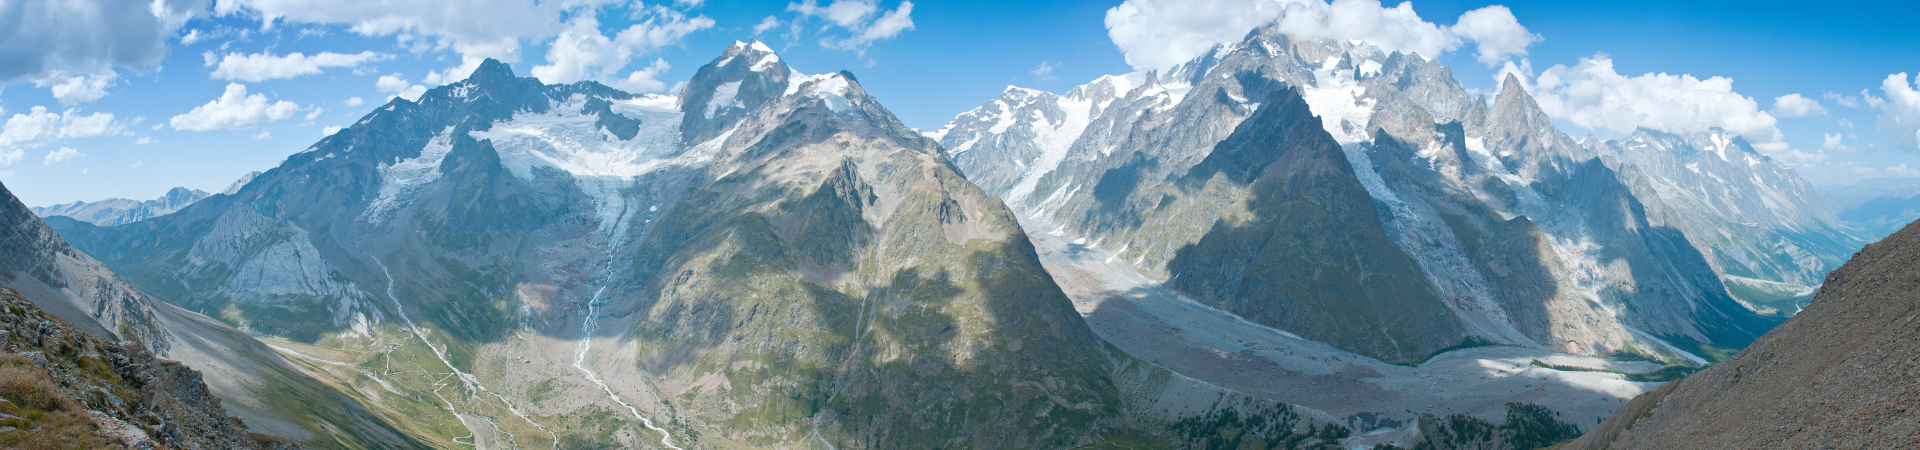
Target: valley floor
1381, 402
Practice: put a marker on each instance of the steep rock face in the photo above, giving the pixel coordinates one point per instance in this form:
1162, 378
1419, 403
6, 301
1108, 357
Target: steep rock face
1838, 375
1641, 276
133, 399
1516, 234
1753, 217
1312, 258
69, 283
115, 211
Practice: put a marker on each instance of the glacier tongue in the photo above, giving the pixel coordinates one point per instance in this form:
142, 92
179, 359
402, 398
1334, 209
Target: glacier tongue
601, 164
1417, 229
1055, 140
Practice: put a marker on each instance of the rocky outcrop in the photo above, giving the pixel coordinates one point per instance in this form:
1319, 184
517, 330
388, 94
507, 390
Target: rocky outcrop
1841, 374
133, 399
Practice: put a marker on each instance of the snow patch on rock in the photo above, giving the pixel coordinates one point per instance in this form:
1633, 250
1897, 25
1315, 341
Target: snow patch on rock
402, 179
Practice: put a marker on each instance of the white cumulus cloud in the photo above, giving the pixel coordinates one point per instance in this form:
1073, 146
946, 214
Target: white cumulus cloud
1832, 143
645, 79
863, 21
475, 29
44, 38
59, 156
1045, 71
40, 127
353, 101
1900, 111
1498, 34
399, 87
1592, 95
259, 67
234, 110
766, 24
329, 131
74, 89
1850, 101
1156, 34
1794, 105
582, 52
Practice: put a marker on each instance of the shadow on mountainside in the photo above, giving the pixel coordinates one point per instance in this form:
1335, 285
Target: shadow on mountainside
1655, 254
893, 337
1314, 259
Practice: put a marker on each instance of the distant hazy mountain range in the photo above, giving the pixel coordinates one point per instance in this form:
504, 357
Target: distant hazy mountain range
1877, 207
115, 211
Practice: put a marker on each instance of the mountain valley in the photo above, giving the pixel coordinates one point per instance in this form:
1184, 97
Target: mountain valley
1283, 243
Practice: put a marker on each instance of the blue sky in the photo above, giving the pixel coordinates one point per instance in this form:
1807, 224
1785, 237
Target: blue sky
927, 61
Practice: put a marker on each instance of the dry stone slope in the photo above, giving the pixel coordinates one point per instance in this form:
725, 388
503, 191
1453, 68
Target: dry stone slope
1841, 374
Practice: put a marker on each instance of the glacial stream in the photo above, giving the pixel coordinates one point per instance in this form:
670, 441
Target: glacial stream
587, 326
467, 380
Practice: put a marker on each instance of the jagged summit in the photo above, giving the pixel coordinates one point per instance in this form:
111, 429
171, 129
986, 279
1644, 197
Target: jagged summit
1511, 84
491, 71
747, 77
1514, 99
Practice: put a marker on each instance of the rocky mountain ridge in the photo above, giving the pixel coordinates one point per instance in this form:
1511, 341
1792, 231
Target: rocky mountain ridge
1508, 220
1356, 218
768, 258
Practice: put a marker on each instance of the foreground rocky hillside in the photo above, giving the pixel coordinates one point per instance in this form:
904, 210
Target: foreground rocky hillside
255, 384
61, 387
1838, 375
